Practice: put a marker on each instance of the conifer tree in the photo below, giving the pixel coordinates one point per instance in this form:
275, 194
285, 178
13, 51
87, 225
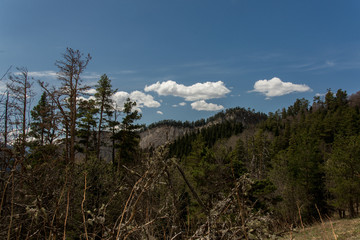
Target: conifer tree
86, 126
105, 105
44, 121
128, 137
343, 171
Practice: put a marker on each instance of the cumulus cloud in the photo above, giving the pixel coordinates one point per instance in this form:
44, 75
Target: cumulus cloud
180, 104
195, 92
81, 98
204, 106
160, 112
275, 87
91, 91
141, 99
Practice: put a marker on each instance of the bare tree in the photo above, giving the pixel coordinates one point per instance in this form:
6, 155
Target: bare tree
70, 68
4, 100
20, 90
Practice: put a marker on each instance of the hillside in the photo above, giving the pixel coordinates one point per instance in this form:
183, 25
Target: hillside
237, 175
341, 229
159, 133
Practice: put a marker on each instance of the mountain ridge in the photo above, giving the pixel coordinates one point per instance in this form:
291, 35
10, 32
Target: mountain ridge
159, 133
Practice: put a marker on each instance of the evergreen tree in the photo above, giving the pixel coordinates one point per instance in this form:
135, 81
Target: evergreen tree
128, 136
43, 125
343, 171
86, 126
105, 105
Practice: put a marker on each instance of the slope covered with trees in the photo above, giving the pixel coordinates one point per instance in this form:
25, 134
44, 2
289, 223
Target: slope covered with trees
237, 175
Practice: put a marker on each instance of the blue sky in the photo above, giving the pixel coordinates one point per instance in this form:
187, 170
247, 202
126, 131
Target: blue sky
188, 59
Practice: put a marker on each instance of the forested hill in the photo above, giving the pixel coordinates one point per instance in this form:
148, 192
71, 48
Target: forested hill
306, 158
159, 133
79, 171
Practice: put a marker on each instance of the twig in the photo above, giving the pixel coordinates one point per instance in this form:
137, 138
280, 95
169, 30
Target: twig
67, 212
12, 207
332, 228
6, 72
299, 209
127, 202
131, 171
82, 209
322, 222
57, 207
191, 188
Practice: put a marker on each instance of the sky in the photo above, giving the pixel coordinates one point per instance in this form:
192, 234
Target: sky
189, 59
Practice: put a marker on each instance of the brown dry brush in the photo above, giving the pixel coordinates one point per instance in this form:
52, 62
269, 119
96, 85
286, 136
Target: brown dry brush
234, 217
51, 200
54, 200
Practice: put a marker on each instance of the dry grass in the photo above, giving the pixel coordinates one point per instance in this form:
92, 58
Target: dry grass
345, 229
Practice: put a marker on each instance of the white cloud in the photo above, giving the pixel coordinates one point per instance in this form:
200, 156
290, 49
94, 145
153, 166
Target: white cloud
160, 112
141, 99
204, 106
81, 98
180, 104
90, 76
198, 91
53, 74
144, 99
46, 74
275, 87
91, 91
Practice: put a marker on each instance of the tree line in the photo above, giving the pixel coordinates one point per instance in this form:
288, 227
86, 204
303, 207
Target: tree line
250, 176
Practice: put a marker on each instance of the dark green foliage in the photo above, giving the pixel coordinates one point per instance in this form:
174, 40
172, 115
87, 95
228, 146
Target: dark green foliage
86, 130
343, 171
104, 104
44, 122
127, 139
306, 152
182, 146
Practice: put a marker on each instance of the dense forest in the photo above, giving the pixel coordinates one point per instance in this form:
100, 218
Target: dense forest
227, 179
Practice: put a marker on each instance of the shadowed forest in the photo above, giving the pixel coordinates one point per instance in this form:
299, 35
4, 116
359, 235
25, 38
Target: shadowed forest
240, 174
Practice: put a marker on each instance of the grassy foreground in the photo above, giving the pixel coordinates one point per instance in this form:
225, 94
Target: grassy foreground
348, 229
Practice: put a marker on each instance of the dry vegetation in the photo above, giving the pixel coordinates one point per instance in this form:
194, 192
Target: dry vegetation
341, 229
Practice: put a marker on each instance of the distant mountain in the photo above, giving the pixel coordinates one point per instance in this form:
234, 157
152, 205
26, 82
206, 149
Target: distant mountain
159, 133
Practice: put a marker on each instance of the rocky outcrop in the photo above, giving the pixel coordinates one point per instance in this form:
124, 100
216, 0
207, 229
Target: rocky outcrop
160, 135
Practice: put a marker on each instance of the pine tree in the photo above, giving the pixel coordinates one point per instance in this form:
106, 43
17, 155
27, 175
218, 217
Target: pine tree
86, 126
343, 171
44, 121
128, 137
105, 105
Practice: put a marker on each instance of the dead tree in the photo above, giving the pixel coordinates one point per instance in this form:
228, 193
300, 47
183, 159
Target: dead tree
20, 90
70, 68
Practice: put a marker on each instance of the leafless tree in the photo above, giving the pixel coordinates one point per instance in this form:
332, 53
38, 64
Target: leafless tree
70, 68
20, 90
